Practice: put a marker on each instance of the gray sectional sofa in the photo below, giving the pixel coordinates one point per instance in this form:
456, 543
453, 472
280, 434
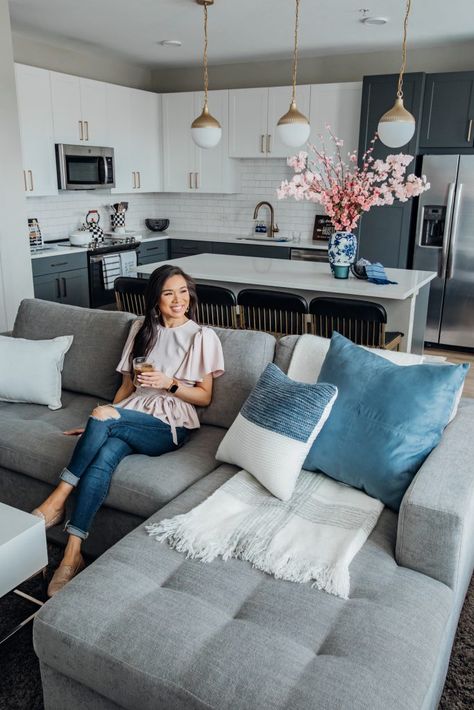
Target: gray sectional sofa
144, 628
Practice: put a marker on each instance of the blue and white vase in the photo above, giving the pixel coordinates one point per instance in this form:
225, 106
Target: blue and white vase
342, 249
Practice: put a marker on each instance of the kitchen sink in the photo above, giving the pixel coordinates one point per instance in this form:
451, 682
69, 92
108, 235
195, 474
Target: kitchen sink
265, 239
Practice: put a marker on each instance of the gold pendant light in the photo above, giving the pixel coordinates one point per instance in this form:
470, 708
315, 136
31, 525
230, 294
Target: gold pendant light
397, 126
206, 131
293, 128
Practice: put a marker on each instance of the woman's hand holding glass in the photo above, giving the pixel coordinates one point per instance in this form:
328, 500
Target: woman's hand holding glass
155, 379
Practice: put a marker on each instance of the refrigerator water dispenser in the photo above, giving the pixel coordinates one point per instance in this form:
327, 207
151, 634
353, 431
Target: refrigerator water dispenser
432, 232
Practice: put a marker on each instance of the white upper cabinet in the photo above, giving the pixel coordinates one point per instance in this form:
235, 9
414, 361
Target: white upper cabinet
248, 112
188, 168
134, 130
79, 110
36, 130
337, 106
254, 114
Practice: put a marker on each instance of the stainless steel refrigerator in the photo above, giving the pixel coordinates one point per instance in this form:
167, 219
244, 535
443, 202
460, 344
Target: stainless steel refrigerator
444, 242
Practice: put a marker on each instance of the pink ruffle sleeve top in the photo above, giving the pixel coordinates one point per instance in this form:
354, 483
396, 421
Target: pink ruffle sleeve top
188, 353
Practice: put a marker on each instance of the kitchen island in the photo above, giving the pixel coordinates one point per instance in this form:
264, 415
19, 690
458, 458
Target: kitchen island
406, 302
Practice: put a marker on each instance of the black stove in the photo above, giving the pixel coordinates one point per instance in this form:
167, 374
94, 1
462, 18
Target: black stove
106, 246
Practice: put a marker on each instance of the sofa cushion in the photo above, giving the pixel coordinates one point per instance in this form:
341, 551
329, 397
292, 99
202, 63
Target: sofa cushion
275, 429
246, 354
30, 370
99, 337
225, 635
140, 485
385, 421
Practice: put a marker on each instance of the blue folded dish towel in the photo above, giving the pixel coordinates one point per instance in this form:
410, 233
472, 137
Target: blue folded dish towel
376, 274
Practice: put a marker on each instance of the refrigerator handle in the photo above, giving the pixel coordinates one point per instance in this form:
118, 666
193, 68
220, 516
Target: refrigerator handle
454, 231
443, 257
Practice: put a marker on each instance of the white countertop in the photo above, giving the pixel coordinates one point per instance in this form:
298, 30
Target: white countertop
192, 236
300, 275
230, 238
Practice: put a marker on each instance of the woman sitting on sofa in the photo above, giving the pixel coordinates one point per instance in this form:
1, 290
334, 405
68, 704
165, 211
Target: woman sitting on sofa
151, 414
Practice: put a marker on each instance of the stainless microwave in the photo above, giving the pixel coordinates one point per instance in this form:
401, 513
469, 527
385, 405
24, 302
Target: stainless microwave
82, 167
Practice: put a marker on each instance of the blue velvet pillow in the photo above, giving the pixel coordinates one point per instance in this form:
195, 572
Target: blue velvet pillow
385, 421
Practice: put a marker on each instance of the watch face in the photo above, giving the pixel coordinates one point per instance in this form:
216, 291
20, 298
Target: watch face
173, 389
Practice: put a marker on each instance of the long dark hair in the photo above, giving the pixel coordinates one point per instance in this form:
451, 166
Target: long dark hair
146, 336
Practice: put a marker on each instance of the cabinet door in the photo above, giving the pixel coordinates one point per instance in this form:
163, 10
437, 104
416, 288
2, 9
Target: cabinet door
217, 173
179, 152
36, 129
75, 287
248, 109
94, 112
148, 252
279, 98
48, 287
448, 111
66, 100
120, 132
336, 106
384, 232
189, 247
268, 252
145, 139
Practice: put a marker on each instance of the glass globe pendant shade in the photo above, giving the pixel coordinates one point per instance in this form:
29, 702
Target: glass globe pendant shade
397, 126
206, 131
293, 128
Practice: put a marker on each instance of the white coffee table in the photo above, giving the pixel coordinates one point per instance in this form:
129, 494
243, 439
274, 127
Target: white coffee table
23, 553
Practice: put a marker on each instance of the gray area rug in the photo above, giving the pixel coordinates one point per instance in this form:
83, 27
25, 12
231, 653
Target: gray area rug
20, 682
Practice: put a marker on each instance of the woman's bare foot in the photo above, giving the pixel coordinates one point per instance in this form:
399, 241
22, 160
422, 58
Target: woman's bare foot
71, 564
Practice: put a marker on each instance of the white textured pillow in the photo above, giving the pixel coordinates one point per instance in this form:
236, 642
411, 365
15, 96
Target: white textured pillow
276, 428
30, 370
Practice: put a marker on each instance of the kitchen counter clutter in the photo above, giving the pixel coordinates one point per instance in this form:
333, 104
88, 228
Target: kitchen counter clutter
406, 301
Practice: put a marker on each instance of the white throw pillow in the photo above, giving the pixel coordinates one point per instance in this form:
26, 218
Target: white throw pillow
276, 428
30, 370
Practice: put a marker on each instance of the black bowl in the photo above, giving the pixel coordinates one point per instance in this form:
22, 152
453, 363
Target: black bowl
157, 225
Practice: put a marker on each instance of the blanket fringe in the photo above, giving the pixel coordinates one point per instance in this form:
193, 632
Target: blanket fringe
181, 536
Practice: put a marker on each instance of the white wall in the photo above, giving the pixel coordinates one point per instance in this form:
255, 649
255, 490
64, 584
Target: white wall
316, 70
198, 213
80, 61
15, 265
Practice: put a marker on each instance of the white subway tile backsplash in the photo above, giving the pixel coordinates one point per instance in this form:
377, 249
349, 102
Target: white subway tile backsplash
60, 215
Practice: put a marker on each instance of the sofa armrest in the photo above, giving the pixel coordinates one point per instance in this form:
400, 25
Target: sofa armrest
436, 519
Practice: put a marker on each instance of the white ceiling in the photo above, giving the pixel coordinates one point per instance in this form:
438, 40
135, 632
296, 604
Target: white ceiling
239, 30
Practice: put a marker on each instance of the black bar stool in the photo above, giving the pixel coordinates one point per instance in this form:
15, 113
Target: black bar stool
272, 311
363, 322
216, 306
130, 294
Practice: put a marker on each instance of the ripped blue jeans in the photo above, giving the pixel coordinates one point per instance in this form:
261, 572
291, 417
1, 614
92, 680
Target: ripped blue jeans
104, 443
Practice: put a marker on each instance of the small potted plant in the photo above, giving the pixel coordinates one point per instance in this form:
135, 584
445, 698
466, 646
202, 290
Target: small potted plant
347, 190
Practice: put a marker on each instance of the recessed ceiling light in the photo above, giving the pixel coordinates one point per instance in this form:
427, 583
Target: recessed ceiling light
374, 20
170, 43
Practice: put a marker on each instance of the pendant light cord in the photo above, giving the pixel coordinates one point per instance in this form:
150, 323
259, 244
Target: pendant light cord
295, 53
404, 51
206, 78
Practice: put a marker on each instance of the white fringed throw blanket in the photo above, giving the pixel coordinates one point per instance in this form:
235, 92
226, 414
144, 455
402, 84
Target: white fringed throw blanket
313, 537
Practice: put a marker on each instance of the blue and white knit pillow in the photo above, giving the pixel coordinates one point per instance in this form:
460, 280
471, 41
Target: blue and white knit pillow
275, 429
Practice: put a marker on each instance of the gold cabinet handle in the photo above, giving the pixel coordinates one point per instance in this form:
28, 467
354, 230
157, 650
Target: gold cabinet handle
86, 124
24, 181
32, 185
139, 180
262, 143
190, 181
81, 131
196, 181
269, 143
469, 131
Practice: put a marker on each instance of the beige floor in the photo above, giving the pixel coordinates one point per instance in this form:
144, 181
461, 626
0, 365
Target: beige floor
457, 356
